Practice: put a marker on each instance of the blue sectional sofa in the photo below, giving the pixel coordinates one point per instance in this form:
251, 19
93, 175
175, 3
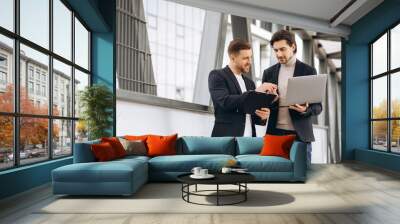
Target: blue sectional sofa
125, 176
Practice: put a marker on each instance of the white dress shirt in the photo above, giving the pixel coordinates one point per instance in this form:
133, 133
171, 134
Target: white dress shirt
247, 130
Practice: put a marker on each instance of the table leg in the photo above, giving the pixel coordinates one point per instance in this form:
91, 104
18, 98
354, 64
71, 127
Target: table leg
245, 193
182, 188
217, 194
188, 190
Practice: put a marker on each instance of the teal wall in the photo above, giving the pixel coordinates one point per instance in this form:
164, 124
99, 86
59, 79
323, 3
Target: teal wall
104, 53
103, 70
355, 84
24, 178
99, 16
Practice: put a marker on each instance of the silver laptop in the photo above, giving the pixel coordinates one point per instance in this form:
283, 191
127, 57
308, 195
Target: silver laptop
302, 89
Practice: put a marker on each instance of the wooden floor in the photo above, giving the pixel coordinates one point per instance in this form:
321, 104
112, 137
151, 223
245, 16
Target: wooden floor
377, 188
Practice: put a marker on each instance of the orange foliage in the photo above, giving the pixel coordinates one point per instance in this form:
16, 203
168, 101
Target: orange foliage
33, 130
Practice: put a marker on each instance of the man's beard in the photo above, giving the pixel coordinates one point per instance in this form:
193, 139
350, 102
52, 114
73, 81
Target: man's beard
286, 60
245, 69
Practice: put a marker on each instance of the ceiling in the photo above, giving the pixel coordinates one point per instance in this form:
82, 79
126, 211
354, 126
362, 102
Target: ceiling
313, 15
319, 9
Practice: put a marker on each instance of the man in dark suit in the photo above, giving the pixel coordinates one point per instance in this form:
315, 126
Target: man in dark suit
228, 88
295, 119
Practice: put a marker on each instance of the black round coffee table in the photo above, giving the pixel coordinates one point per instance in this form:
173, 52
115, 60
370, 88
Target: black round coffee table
238, 179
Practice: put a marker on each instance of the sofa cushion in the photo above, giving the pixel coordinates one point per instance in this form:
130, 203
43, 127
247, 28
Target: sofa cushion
136, 147
248, 145
195, 145
277, 145
132, 157
116, 145
257, 163
185, 163
103, 152
161, 145
83, 152
112, 171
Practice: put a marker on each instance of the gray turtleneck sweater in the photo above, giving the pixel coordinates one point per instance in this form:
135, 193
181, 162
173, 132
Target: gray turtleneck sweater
286, 71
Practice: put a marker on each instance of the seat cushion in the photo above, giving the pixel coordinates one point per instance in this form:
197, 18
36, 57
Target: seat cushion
132, 160
195, 145
257, 163
185, 163
112, 171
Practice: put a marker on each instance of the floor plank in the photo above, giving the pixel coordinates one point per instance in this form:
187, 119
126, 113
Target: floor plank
377, 190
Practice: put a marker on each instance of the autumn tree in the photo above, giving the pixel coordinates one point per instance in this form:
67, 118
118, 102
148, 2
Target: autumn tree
380, 127
33, 131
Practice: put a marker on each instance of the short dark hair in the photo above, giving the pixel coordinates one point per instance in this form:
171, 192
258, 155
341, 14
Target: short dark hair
236, 45
284, 35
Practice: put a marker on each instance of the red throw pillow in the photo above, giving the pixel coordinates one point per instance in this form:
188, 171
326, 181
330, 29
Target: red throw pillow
103, 152
275, 145
116, 145
161, 145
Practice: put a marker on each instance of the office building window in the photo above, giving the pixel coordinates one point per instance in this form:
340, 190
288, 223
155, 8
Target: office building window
37, 75
385, 95
30, 87
6, 75
37, 89
45, 131
3, 61
3, 72
175, 33
44, 91
63, 74
3, 82
30, 72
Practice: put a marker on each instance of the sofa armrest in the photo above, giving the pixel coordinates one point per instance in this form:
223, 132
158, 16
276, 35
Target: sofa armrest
83, 152
298, 155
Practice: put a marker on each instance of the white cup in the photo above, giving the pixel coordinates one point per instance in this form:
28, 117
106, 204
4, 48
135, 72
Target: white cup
226, 170
196, 171
203, 172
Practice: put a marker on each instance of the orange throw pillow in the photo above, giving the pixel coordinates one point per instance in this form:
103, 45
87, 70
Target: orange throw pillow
161, 145
275, 145
103, 152
116, 145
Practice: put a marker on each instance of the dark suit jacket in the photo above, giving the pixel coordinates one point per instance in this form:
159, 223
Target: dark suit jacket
301, 121
228, 99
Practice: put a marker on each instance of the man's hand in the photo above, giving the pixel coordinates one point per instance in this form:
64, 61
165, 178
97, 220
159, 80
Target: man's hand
299, 108
263, 113
275, 93
267, 87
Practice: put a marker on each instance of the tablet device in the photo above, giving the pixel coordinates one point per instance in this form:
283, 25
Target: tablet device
256, 100
302, 89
